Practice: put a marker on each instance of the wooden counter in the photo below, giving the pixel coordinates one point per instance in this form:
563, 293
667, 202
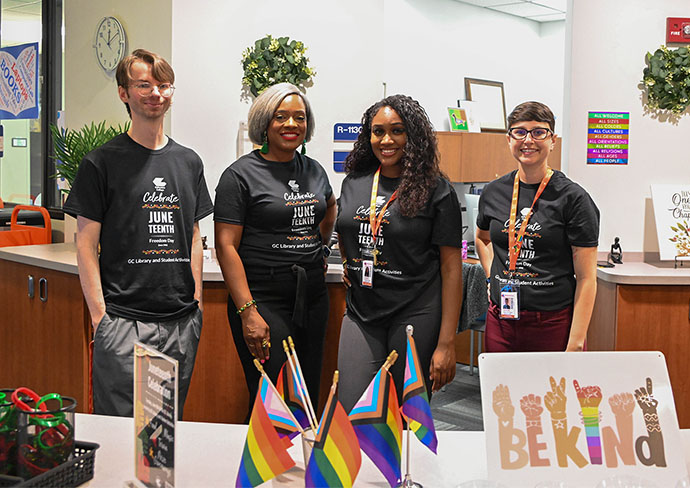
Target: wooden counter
646, 307
45, 343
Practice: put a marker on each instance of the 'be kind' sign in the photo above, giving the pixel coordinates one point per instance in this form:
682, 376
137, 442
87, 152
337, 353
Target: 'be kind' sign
579, 418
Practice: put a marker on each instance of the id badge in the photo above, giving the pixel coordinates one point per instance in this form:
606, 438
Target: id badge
367, 267
510, 300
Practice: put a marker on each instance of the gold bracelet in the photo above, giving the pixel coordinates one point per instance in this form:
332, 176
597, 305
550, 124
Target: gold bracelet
244, 307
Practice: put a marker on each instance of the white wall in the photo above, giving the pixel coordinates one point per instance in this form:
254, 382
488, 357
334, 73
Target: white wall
91, 93
208, 41
423, 48
431, 46
605, 66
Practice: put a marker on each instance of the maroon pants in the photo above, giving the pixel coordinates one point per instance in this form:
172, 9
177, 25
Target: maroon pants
533, 332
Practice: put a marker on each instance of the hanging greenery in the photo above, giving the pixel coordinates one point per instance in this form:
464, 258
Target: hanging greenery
275, 60
72, 145
667, 79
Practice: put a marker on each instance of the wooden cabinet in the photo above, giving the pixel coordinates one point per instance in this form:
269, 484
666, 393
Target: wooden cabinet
45, 339
218, 392
647, 318
479, 157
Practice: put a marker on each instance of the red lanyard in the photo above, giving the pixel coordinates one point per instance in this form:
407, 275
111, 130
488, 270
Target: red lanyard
374, 220
515, 241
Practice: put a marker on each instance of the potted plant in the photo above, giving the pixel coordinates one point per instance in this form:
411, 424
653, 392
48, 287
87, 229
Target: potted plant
275, 60
667, 79
70, 146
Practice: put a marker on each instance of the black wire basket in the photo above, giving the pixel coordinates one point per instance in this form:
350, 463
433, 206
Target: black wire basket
69, 474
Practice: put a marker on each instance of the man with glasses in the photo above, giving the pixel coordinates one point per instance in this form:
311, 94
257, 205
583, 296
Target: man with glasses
140, 197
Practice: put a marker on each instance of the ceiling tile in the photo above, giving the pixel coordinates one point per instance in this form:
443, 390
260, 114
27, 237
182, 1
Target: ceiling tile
490, 3
560, 5
524, 9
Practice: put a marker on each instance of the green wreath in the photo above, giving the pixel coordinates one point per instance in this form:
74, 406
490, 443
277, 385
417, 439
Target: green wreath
667, 79
275, 60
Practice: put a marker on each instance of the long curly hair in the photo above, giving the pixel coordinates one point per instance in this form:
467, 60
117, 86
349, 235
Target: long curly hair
420, 170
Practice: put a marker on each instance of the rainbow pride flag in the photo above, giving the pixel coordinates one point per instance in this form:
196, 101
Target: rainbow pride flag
335, 459
281, 417
377, 423
265, 455
415, 400
288, 388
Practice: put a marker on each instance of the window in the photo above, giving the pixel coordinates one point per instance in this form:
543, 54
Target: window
26, 170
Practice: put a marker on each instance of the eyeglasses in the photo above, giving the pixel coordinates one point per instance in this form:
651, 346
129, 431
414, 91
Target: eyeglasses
145, 89
538, 134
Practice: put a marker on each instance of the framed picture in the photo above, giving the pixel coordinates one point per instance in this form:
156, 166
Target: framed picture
457, 119
490, 103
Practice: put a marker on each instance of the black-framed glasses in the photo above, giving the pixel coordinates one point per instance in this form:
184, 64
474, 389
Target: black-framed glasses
538, 134
145, 89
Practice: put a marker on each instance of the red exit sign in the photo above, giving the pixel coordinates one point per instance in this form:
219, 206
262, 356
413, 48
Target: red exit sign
678, 30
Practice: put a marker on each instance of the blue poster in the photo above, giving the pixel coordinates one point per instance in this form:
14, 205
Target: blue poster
19, 82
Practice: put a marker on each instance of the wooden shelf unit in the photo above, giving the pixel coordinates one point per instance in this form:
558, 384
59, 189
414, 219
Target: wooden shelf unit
468, 157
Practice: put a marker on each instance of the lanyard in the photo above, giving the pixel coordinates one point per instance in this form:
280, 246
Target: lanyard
515, 242
375, 221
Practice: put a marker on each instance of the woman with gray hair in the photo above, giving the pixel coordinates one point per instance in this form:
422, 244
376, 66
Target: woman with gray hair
274, 212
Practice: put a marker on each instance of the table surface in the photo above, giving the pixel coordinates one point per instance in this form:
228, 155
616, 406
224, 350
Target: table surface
208, 455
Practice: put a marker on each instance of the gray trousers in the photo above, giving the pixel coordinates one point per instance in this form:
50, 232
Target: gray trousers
364, 348
113, 353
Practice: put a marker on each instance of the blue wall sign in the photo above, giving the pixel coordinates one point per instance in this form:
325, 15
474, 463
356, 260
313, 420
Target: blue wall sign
346, 132
19, 82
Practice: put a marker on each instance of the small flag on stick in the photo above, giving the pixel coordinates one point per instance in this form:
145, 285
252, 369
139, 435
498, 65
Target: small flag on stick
335, 459
377, 423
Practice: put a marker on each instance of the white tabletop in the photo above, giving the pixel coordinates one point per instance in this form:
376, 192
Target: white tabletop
208, 455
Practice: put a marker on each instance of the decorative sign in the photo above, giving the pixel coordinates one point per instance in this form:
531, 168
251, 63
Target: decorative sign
607, 137
457, 118
580, 418
155, 416
672, 216
344, 136
19, 82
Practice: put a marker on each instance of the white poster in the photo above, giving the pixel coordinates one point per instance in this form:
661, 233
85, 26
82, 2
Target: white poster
672, 216
580, 418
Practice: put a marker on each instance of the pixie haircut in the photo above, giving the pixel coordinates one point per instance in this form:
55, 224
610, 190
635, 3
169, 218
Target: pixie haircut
160, 69
265, 106
528, 111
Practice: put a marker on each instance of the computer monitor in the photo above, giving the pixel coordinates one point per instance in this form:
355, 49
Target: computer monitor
470, 218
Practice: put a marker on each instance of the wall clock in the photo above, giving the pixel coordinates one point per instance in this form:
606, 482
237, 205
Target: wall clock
110, 43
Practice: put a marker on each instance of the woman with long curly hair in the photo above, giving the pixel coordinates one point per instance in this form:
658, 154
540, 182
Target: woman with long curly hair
400, 232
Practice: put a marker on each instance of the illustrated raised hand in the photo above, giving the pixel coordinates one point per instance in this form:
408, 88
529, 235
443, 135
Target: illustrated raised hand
503, 407
589, 396
531, 406
555, 399
622, 404
644, 398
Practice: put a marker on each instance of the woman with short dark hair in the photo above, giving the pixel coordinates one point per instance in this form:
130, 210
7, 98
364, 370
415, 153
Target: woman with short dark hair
274, 213
400, 232
537, 237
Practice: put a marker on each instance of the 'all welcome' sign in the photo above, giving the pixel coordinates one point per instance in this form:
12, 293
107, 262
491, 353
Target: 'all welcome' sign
580, 418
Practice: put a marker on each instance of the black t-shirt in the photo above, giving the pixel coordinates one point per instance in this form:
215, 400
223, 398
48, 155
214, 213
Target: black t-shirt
147, 202
280, 206
564, 216
409, 247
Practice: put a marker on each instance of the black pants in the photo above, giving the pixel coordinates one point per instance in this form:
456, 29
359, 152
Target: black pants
364, 348
275, 292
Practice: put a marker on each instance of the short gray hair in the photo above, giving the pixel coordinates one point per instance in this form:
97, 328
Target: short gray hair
265, 106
